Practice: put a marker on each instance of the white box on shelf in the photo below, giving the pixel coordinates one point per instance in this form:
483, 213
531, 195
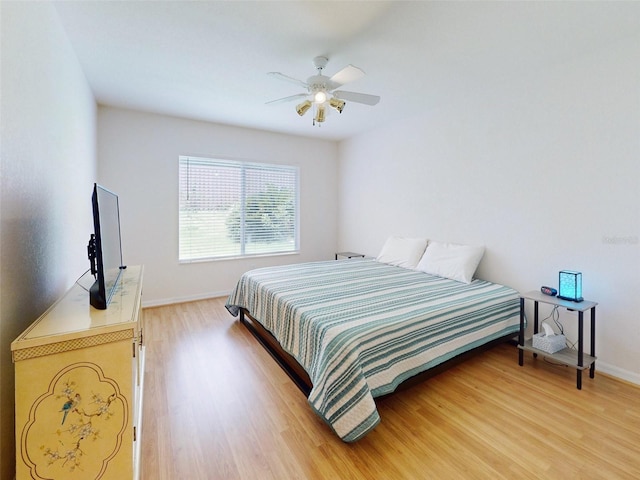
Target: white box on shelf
549, 343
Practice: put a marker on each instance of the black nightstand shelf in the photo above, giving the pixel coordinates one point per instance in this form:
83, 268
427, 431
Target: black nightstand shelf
573, 358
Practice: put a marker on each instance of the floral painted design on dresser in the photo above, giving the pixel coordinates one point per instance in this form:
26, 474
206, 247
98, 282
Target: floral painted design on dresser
76, 427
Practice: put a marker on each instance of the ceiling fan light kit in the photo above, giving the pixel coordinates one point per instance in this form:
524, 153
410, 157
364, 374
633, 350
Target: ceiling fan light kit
320, 97
337, 104
303, 107
321, 90
320, 114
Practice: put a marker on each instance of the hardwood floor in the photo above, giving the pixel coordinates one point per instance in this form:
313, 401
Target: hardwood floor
216, 405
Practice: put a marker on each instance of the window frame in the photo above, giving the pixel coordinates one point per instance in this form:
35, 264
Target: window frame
243, 166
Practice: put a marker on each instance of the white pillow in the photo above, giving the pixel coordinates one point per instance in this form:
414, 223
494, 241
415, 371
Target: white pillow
450, 260
403, 252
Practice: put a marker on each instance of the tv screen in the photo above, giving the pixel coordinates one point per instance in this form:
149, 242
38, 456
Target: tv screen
107, 247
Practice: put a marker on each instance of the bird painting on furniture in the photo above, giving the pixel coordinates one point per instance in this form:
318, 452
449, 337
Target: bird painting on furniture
69, 405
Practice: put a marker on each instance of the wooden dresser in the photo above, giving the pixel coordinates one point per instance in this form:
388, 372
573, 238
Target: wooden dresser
79, 374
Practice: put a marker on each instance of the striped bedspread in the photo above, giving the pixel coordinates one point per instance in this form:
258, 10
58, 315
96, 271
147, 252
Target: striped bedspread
359, 327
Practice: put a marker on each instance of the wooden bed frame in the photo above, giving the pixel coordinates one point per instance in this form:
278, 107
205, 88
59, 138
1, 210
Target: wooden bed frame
300, 377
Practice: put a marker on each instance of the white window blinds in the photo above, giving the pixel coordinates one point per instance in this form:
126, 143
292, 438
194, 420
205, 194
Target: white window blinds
233, 209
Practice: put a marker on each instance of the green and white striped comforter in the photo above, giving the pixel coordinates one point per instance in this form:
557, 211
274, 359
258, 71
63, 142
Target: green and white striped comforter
359, 327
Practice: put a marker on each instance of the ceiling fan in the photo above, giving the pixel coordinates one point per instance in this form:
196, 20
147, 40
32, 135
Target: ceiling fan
321, 90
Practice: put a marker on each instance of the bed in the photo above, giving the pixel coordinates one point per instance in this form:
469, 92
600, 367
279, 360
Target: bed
356, 329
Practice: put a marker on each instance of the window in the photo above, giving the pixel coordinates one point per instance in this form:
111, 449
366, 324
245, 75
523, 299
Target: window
234, 209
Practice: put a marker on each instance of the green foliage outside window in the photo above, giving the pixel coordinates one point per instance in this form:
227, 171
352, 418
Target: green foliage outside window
269, 217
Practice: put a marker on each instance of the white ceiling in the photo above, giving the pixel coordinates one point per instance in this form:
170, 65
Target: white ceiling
208, 60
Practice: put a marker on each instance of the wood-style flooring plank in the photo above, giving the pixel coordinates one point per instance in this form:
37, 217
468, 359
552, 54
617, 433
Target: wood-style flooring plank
217, 406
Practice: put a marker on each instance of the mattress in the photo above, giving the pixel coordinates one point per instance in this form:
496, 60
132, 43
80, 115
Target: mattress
360, 327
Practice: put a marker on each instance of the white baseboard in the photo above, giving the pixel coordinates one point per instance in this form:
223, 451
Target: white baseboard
191, 298
617, 372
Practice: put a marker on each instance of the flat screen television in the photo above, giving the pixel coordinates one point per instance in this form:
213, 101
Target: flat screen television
105, 246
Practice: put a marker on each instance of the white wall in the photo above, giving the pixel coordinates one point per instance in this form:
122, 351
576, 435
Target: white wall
48, 166
138, 159
543, 170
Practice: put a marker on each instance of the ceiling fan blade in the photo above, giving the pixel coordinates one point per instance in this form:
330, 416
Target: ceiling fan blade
288, 99
287, 78
357, 97
347, 74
